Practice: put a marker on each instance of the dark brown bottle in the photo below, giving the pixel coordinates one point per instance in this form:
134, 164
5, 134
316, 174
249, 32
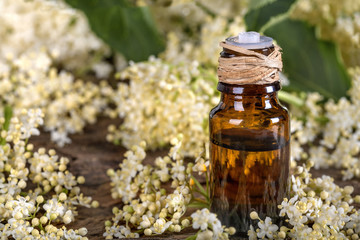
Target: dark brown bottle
249, 151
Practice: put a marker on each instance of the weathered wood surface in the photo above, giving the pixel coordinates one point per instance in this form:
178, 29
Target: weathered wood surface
91, 156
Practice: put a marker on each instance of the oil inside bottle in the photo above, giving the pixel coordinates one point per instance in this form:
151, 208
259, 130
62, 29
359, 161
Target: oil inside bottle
250, 172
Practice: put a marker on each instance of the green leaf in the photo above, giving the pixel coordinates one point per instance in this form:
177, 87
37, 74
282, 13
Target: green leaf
198, 205
259, 3
193, 237
202, 193
200, 188
127, 29
7, 115
263, 10
311, 64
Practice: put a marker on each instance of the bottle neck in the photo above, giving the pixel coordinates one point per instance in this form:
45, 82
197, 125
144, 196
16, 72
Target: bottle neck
258, 94
241, 66
227, 53
262, 96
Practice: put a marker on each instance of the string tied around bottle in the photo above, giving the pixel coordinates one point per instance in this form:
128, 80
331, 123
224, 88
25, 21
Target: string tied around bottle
249, 67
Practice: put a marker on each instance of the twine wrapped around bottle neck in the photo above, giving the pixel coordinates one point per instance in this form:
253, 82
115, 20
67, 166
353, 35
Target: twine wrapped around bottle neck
250, 68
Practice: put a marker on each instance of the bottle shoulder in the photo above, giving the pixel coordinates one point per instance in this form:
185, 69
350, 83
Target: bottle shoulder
216, 110
229, 118
228, 112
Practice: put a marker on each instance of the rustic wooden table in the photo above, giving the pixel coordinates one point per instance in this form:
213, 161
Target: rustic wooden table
91, 156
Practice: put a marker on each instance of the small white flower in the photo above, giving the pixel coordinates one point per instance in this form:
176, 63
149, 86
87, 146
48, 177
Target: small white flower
60, 137
202, 219
267, 229
178, 170
22, 206
252, 234
200, 165
160, 226
145, 223
53, 206
205, 235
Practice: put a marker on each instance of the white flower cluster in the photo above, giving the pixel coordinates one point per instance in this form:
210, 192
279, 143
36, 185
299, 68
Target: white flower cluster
203, 48
152, 211
155, 211
335, 21
162, 100
305, 126
336, 128
185, 17
210, 227
318, 209
37, 192
68, 104
193, 28
36, 24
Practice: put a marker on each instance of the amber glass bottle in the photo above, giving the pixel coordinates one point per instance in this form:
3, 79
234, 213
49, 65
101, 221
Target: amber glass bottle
249, 141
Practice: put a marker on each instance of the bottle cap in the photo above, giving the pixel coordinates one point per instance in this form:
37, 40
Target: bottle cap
250, 40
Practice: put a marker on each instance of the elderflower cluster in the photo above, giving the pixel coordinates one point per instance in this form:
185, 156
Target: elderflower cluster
335, 21
30, 81
334, 126
36, 24
304, 131
156, 211
318, 209
185, 17
38, 195
210, 227
204, 47
162, 100
193, 28
215, 21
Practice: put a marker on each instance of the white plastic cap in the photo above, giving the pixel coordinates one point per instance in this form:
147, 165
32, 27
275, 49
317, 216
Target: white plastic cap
250, 40
249, 37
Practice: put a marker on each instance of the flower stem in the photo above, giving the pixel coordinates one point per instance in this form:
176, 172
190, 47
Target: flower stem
291, 99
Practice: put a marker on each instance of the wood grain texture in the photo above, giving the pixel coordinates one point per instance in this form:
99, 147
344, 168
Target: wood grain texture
91, 156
